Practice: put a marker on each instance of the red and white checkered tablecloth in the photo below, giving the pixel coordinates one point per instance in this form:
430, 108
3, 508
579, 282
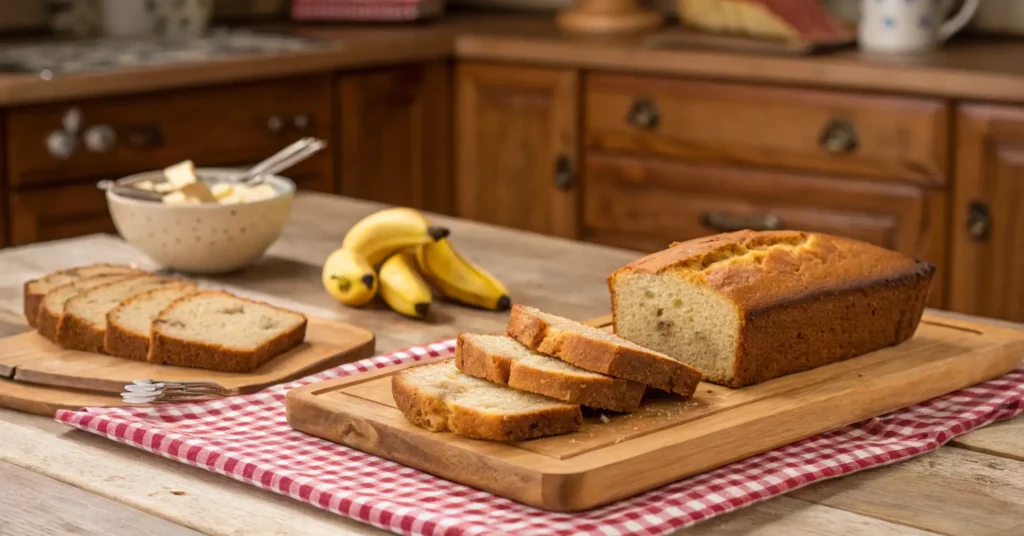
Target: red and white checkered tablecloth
248, 438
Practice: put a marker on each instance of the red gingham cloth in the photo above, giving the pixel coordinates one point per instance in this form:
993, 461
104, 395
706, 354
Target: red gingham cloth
248, 438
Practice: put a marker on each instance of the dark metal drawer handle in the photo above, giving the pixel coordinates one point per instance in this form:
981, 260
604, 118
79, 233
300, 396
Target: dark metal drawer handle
727, 223
838, 136
979, 222
563, 173
644, 114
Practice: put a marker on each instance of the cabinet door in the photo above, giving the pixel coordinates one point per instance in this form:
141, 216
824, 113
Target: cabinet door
647, 204
239, 123
396, 137
4, 211
55, 213
988, 213
517, 146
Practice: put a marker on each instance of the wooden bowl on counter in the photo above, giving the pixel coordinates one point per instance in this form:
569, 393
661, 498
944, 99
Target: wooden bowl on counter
207, 238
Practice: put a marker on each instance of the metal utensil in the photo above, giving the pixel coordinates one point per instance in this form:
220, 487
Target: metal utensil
272, 165
154, 391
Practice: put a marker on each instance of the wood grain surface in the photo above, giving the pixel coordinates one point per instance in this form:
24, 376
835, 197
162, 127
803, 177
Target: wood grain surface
668, 438
564, 277
38, 361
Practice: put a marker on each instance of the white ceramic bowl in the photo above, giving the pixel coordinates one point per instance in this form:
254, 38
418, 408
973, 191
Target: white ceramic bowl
205, 238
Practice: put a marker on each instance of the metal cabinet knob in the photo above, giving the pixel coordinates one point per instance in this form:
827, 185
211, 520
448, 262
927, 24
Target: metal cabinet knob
838, 136
61, 144
100, 138
302, 121
563, 173
644, 114
979, 221
275, 123
71, 121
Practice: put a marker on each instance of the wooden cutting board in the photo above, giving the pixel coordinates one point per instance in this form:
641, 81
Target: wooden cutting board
30, 358
668, 438
45, 401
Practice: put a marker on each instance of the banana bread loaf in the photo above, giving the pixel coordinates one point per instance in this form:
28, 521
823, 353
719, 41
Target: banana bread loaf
748, 306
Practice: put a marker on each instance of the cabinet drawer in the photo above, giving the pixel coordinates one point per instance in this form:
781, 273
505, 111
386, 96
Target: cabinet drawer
890, 138
212, 126
645, 205
61, 212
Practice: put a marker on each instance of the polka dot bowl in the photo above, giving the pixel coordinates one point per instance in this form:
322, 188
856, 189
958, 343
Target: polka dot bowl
206, 238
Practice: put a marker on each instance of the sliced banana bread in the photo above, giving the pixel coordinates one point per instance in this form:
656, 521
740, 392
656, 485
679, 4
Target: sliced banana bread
51, 309
35, 289
440, 398
599, 351
504, 360
216, 330
128, 324
748, 306
84, 322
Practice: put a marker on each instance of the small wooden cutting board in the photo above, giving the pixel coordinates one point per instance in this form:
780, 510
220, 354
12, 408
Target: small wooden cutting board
33, 359
669, 438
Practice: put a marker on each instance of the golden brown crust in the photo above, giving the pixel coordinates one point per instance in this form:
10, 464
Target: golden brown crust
46, 324
759, 269
32, 299
805, 299
605, 392
598, 355
169, 350
437, 415
122, 342
74, 333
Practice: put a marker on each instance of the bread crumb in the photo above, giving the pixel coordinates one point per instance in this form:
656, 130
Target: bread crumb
605, 419
177, 492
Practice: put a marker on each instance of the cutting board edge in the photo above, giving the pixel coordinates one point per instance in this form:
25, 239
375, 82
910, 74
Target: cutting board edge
362, 348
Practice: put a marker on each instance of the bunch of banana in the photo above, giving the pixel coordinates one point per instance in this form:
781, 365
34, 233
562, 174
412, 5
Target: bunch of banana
412, 256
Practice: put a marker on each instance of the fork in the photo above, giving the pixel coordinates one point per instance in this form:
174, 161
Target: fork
153, 391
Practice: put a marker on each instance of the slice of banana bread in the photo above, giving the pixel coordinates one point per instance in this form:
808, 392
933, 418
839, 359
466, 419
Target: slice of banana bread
35, 289
128, 324
504, 360
440, 398
599, 351
51, 309
83, 324
216, 330
748, 306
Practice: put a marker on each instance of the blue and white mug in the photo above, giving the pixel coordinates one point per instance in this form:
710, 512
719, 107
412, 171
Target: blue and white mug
901, 26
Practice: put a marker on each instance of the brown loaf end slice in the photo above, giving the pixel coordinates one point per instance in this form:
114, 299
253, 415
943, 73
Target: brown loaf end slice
83, 325
440, 398
216, 330
746, 307
798, 21
35, 289
502, 359
128, 324
51, 308
599, 351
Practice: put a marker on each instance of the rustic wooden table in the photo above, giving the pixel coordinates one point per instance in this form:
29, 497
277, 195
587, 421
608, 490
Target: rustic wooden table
55, 480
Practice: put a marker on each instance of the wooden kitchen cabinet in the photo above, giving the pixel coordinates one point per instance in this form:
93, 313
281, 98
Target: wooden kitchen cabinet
885, 138
4, 210
647, 204
55, 213
231, 125
987, 231
517, 147
394, 129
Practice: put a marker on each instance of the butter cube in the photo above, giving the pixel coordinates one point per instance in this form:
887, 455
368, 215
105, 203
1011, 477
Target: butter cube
179, 198
259, 193
222, 190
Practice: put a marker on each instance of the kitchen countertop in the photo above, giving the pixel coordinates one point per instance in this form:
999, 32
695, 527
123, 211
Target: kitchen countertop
969, 68
60, 479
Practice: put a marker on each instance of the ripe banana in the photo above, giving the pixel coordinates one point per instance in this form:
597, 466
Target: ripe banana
402, 287
381, 234
458, 278
349, 278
